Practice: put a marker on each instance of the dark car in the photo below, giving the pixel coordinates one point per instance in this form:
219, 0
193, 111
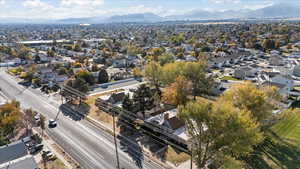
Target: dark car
24, 83
52, 123
36, 148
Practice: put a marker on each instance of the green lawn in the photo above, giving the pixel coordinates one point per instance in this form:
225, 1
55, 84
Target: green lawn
282, 149
229, 78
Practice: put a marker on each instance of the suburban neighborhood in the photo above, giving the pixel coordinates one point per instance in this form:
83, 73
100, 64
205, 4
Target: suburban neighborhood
164, 92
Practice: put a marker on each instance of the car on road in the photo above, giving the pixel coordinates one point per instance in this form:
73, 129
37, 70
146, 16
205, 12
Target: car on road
52, 123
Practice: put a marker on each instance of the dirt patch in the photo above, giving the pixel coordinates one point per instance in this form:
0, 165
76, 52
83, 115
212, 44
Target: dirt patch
66, 156
97, 114
55, 164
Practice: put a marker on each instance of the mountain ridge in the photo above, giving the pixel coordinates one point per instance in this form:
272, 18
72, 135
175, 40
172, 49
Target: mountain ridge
273, 11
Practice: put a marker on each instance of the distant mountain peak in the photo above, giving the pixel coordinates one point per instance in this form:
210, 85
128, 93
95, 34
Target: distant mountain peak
136, 17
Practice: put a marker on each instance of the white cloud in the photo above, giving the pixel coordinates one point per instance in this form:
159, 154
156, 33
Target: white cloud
82, 2
2, 2
225, 1
258, 6
36, 4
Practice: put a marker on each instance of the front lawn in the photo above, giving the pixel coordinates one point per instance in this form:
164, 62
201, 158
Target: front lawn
229, 78
282, 148
176, 157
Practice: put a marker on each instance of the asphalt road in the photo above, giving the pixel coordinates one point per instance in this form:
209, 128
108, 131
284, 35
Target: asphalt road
87, 144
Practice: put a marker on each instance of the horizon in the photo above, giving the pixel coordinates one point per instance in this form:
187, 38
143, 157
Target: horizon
64, 9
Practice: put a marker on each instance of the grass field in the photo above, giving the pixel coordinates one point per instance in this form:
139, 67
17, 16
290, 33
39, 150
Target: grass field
282, 149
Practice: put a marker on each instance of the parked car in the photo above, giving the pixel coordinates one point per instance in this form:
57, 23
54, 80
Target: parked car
48, 155
36, 148
52, 123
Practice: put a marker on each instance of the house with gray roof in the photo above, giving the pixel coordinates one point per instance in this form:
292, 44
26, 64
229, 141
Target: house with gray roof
15, 156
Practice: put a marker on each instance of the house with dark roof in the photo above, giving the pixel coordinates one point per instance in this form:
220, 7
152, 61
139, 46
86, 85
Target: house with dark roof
12, 151
171, 122
15, 156
116, 98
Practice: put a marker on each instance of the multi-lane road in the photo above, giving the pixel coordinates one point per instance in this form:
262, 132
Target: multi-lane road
91, 147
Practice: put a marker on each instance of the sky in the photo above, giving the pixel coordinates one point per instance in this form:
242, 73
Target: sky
59, 9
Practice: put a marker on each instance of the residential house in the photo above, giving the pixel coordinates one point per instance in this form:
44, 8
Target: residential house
16, 156
276, 61
284, 83
116, 98
243, 72
170, 122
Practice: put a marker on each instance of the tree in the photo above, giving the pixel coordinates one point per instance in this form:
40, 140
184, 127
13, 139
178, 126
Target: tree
268, 44
50, 53
165, 58
95, 68
177, 39
36, 81
127, 103
154, 53
133, 50
218, 131
62, 71
103, 76
247, 96
85, 76
197, 74
42, 123
77, 47
137, 72
143, 99
10, 116
153, 73
171, 71
177, 93
29, 118
129, 108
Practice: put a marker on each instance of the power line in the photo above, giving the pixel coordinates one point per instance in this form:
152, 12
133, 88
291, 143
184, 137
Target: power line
130, 114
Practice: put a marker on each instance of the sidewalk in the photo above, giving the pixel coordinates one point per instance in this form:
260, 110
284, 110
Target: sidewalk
50, 145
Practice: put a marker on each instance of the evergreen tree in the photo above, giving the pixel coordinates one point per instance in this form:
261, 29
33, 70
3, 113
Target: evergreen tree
143, 99
103, 76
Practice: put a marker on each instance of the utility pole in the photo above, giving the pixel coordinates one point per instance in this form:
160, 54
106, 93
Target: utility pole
62, 101
116, 145
191, 159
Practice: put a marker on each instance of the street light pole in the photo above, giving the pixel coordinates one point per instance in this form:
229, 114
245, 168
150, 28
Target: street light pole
116, 145
191, 160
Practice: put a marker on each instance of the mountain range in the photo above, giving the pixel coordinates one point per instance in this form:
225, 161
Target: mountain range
274, 11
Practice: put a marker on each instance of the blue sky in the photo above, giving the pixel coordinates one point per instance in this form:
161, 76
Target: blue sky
56, 9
